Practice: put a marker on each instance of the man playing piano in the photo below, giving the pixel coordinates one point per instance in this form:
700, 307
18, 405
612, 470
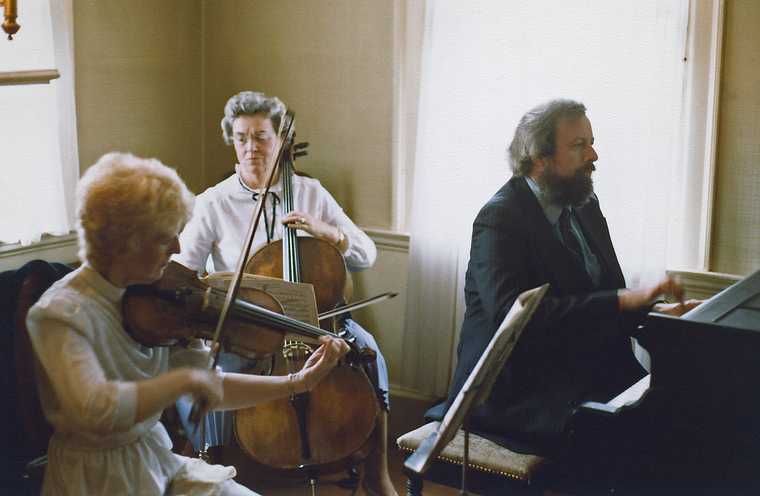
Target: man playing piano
545, 226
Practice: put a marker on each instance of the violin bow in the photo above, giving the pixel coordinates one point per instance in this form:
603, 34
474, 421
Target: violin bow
287, 127
356, 305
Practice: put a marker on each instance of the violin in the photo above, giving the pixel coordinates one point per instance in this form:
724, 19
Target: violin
179, 306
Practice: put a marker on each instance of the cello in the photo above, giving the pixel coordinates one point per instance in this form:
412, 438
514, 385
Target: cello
331, 427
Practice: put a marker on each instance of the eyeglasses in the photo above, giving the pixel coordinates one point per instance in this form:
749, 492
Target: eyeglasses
244, 139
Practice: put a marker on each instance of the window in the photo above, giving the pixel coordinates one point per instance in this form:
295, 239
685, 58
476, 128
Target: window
484, 64
37, 124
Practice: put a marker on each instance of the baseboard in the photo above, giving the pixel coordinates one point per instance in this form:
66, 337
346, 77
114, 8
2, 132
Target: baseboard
412, 394
407, 413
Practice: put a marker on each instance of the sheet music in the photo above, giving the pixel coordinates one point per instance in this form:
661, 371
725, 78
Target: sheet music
296, 298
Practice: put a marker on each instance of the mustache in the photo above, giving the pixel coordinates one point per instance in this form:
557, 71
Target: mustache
589, 167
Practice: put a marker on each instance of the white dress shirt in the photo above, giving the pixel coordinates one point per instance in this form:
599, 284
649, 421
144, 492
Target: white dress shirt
222, 216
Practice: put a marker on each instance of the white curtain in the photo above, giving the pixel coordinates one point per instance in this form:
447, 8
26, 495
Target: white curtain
62, 12
485, 63
37, 126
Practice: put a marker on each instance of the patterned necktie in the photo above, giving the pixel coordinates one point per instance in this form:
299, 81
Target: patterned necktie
569, 239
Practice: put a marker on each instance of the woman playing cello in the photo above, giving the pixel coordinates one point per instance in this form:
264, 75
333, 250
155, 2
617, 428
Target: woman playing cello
102, 391
222, 215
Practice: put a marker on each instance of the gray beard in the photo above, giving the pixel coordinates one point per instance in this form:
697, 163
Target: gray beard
575, 190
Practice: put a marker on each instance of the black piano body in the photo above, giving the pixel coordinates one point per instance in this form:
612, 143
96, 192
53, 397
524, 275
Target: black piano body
697, 416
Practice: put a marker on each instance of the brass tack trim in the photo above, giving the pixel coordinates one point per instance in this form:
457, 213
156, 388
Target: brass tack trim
489, 470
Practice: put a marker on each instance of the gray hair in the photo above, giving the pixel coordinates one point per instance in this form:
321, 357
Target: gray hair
122, 200
535, 136
251, 103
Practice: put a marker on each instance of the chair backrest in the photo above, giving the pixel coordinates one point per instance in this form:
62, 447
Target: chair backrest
33, 280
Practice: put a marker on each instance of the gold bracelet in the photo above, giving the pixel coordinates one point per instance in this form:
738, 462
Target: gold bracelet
291, 385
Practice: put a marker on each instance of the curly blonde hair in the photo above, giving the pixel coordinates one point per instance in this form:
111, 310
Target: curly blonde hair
122, 200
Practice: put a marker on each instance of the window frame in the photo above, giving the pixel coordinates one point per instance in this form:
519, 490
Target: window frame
15, 78
703, 85
61, 248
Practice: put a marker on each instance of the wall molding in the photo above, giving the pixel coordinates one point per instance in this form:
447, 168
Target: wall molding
703, 284
50, 248
64, 248
388, 240
16, 78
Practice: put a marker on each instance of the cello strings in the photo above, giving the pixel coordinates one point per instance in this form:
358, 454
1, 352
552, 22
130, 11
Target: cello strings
266, 316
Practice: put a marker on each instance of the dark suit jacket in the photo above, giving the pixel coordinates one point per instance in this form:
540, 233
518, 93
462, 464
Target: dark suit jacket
576, 347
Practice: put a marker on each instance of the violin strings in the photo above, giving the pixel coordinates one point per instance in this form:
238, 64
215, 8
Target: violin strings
267, 316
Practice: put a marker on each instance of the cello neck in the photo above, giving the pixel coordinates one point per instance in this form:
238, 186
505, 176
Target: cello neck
291, 257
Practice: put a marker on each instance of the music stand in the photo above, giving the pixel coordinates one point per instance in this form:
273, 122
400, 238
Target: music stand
477, 387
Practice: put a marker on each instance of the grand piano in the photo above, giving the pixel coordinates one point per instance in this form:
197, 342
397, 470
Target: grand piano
696, 417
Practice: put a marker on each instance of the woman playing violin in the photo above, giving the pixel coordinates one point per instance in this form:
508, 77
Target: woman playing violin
222, 216
102, 391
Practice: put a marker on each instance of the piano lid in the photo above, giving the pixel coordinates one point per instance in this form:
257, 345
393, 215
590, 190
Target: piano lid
737, 306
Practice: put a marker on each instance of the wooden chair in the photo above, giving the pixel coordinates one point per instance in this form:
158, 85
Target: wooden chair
492, 469
26, 430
